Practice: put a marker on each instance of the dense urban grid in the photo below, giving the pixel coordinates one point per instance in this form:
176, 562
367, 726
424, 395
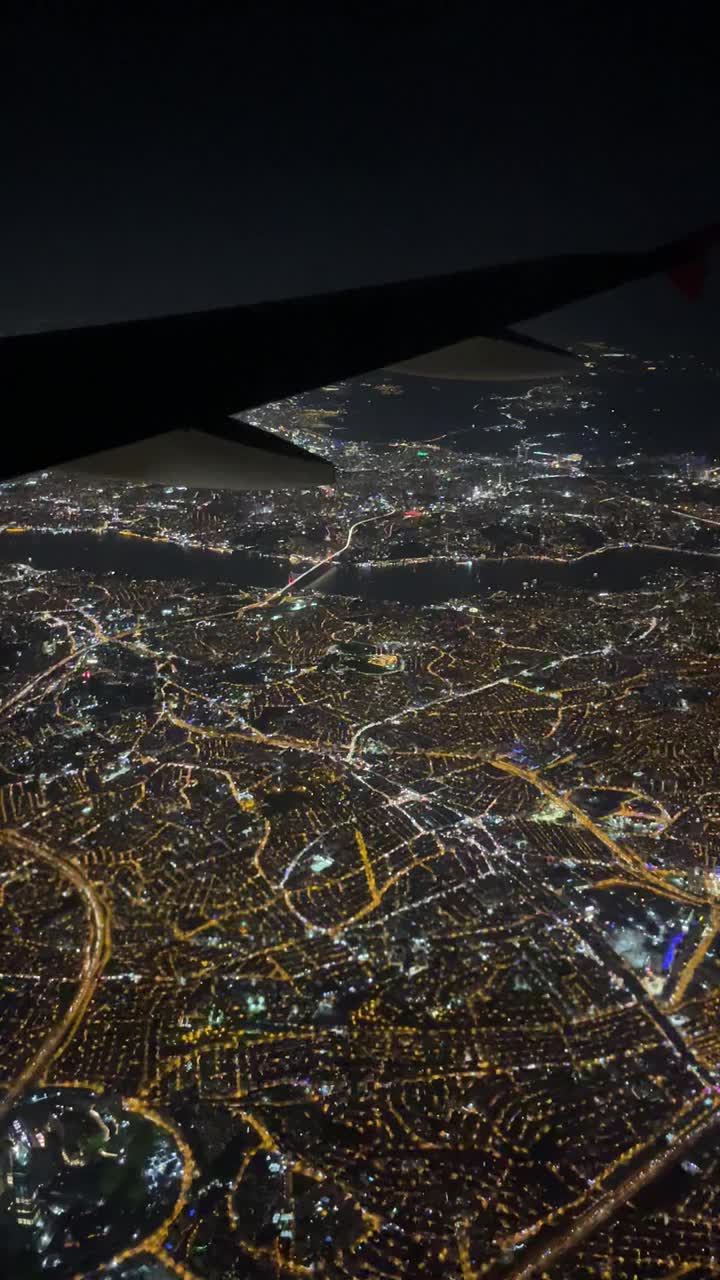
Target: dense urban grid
360, 881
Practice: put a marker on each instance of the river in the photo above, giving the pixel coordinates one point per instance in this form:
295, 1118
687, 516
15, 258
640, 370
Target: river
621, 569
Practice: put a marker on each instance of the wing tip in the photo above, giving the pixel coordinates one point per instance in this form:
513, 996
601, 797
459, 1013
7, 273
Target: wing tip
686, 260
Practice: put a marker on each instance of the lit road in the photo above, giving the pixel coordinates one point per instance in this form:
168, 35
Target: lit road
663, 506
541, 1257
154, 1242
455, 696
608, 1203
696, 959
320, 564
625, 856
95, 957
28, 688
422, 706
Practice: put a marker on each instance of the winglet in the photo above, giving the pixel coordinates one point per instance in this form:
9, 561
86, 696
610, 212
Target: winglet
688, 269
689, 278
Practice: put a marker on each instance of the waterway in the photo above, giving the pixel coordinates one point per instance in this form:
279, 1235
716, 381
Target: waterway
619, 569
623, 411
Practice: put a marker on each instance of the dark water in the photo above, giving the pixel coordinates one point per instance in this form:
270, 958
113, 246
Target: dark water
621, 570
617, 570
625, 410
139, 558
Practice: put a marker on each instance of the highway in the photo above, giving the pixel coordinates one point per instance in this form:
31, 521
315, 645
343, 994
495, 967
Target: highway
631, 861
453, 697
98, 944
279, 592
15, 698
544, 1256
95, 957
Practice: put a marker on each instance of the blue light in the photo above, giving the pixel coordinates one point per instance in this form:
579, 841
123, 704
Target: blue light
670, 953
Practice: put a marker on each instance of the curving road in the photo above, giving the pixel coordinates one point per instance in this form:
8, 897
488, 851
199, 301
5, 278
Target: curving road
279, 592
629, 860
96, 955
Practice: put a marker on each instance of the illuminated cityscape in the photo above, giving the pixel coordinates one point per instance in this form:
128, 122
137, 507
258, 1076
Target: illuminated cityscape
360, 871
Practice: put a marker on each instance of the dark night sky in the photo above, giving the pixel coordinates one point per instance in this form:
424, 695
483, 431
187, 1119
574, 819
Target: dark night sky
165, 164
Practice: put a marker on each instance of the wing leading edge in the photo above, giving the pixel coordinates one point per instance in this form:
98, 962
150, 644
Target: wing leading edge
74, 393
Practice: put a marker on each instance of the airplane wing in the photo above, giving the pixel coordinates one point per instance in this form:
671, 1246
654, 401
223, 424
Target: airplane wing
85, 392
228, 455
510, 357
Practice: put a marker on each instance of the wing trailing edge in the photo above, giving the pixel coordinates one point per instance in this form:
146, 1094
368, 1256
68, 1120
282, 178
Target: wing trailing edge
218, 459
511, 357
